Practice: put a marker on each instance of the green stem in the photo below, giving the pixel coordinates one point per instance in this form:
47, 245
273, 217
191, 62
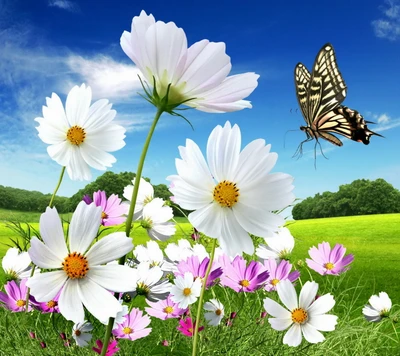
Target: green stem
58, 186
203, 288
50, 203
107, 336
128, 224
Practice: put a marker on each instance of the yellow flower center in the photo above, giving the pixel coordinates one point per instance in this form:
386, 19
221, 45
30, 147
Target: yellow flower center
190, 330
299, 315
127, 330
168, 310
275, 281
78, 332
226, 194
244, 283
187, 291
218, 312
104, 215
20, 303
329, 266
75, 265
76, 135
51, 304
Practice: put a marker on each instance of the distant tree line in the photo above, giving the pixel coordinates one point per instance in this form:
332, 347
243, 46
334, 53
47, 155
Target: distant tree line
111, 183
361, 197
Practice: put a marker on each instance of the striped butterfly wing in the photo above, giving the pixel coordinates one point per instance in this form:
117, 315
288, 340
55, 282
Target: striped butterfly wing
346, 122
327, 88
302, 81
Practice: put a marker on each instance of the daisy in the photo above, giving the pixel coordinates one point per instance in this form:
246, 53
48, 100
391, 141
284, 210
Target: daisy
156, 218
16, 264
186, 327
186, 290
279, 245
196, 76
81, 135
379, 307
215, 312
112, 209
15, 297
134, 327
145, 195
327, 261
79, 269
305, 315
81, 333
236, 194
278, 272
164, 309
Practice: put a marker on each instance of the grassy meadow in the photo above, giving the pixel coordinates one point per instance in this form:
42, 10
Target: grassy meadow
374, 240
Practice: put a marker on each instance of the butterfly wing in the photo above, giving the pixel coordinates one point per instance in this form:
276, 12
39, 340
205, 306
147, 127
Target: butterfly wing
327, 88
302, 81
346, 122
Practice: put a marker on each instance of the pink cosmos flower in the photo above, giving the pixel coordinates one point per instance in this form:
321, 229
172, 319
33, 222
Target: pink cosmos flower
186, 327
242, 278
112, 209
193, 265
51, 306
134, 327
278, 272
112, 348
164, 309
326, 261
15, 297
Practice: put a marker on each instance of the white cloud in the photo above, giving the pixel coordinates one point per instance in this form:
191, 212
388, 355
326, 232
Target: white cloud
65, 5
388, 26
383, 119
107, 78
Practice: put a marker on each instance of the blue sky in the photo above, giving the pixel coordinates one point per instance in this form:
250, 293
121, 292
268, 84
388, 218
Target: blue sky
50, 46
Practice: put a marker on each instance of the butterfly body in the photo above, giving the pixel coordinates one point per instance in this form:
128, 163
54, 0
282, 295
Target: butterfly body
320, 95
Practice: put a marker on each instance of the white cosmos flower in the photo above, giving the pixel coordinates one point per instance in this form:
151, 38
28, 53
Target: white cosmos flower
80, 269
150, 253
186, 290
16, 264
145, 195
199, 73
81, 135
81, 333
150, 283
120, 317
235, 193
279, 245
215, 312
378, 307
304, 315
156, 218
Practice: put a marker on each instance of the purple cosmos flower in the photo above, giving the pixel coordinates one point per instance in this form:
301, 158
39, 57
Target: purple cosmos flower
186, 327
15, 299
112, 209
193, 265
327, 261
164, 309
134, 327
112, 348
278, 272
51, 306
195, 235
87, 199
242, 278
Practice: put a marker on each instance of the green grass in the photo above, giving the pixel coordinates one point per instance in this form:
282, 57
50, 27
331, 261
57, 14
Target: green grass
375, 242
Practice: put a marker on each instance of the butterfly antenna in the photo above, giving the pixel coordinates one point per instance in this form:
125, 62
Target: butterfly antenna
284, 138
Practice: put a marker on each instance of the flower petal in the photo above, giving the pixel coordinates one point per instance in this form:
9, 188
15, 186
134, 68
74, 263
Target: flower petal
293, 336
280, 324
109, 248
114, 278
42, 256
322, 305
276, 310
70, 303
307, 294
45, 286
323, 322
287, 294
311, 334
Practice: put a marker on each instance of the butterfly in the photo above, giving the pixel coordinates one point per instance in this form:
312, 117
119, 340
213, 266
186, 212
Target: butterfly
320, 95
